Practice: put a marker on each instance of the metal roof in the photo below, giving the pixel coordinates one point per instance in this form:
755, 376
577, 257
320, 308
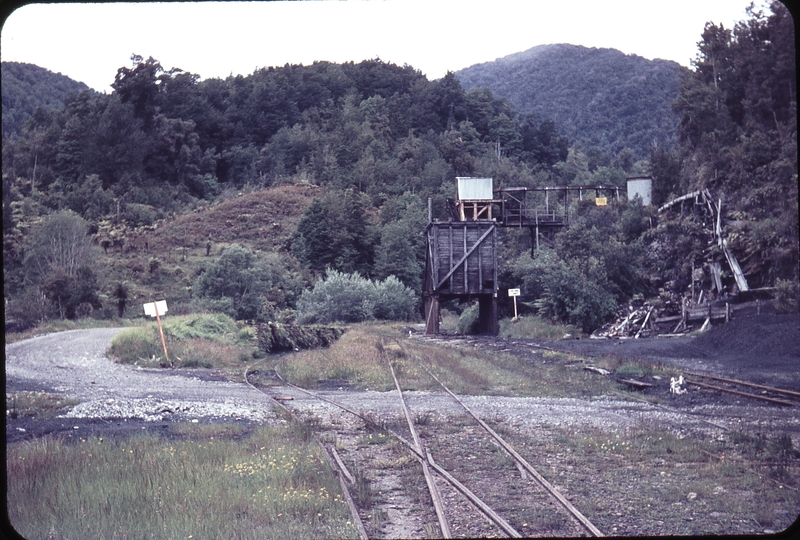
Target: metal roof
474, 189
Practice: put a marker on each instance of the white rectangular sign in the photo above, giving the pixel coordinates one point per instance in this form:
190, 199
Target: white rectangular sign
150, 308
513, 292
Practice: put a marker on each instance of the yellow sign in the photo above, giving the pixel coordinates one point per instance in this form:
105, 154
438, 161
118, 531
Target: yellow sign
601, 201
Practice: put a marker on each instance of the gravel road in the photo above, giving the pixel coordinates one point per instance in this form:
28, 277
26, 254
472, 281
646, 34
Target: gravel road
74, 364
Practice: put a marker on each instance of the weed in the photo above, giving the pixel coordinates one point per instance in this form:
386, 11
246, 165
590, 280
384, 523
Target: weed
370, 439
634, 369
378, 518
205, 485
423, 418
304, 431
541, 520
764, 514
783, 449
535, 327
38, 404
373, 422
363, 489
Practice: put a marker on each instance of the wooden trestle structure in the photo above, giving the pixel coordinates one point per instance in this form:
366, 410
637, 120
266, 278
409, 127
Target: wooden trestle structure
461, 254
461, 263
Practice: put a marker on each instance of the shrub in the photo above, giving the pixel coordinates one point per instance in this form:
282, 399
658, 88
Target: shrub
339, 297
208, 326
135, 344
351, 298
395, 301
577, 296
576, 292
787, 295
468, 321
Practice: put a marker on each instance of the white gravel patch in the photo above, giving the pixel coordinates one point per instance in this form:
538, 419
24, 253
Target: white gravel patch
156, 410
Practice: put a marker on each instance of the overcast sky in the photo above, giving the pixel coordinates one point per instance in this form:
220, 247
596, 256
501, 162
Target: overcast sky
89, 42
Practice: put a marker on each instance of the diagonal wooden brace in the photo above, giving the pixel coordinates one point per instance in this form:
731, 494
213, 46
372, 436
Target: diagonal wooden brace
464, 257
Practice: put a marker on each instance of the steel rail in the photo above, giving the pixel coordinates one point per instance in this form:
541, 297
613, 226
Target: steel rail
434, 491
744, 394
745, 383
670, 409
588, 525
464, 490
362, 532
351, 505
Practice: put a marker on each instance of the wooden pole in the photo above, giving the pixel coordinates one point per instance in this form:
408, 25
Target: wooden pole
161, 331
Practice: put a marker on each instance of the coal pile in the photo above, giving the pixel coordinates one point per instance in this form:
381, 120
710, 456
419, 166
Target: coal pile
761, 336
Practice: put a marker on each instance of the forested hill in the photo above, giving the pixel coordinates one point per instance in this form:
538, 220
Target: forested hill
340, 160
600, 97
26, 87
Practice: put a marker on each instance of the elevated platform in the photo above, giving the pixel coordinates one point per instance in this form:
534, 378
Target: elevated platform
461, 255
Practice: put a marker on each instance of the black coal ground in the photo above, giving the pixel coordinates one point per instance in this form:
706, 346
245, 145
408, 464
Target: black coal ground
763, 349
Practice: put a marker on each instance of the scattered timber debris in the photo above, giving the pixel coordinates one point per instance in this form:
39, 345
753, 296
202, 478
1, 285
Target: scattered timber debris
630, 323
595, 369
712, 219
276, 337
716, 284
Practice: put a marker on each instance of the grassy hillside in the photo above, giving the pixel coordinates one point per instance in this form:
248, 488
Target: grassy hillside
163, 260
263, 220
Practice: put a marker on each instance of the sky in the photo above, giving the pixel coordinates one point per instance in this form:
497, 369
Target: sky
90, 42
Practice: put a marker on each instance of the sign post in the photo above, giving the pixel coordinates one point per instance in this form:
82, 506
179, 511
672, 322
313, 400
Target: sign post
514, 293
154, 309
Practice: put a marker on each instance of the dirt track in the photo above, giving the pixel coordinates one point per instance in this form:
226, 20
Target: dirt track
115, 397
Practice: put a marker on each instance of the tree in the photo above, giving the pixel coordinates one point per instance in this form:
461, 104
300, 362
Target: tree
139, 87
120, 292
738, 136
336, 232
401, 252
233, 284
665, 169
61, 244
396, 255
575, 170
542, 144
69, 292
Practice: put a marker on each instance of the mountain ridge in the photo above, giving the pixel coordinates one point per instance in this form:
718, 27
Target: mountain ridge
598, 96
25, 87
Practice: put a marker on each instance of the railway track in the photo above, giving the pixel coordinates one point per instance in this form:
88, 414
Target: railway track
458, 498
769, 394
723, 385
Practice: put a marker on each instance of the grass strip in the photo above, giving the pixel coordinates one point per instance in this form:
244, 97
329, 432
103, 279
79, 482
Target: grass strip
269, 484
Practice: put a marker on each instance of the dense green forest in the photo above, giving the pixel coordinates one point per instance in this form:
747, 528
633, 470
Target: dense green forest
238, 194
599, 97
26, 87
